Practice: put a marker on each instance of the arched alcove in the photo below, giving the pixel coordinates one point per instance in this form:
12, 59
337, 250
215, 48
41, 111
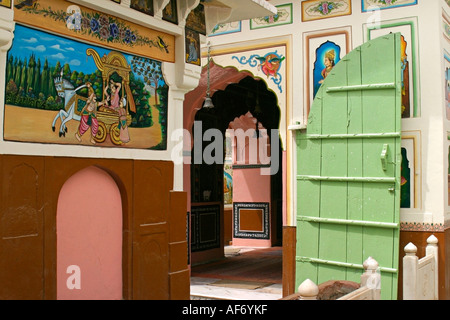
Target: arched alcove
89, 237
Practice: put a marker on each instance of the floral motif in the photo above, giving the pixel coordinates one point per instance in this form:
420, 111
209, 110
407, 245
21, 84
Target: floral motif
326, 7
101, 26
387, 2
269, 64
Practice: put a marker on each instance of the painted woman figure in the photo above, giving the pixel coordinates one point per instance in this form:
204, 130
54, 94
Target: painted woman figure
124, 136
114, 98
329, 63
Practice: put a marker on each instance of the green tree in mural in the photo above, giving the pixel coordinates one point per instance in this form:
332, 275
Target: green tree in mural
23, 76
30, 70
44, 79
37, 78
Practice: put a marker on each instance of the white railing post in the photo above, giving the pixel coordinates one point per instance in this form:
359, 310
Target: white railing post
371, 278
308, 290
410, 261
432, 249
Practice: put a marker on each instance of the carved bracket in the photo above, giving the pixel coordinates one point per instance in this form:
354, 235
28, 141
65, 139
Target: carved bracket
6, 31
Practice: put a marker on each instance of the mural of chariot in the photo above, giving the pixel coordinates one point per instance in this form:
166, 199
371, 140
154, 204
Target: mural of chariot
63, 91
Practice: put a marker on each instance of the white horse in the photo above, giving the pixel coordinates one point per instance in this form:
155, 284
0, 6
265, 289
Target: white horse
66, 91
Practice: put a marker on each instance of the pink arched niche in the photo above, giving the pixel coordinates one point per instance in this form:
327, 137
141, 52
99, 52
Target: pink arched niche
89, 237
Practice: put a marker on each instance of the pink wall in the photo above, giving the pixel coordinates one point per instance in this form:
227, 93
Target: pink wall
89, 236
250, 186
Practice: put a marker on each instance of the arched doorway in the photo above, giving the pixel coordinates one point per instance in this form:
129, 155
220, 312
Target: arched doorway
254, 221
89, 237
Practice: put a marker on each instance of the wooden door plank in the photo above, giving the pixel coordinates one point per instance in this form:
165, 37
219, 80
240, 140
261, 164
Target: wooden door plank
308, 204
379, 112
333, 237
355, 166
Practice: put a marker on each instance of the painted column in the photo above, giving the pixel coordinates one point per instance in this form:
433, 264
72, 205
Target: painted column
6, 37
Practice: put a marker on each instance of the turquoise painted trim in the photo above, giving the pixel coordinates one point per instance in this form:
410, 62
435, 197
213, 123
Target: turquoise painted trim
363, 7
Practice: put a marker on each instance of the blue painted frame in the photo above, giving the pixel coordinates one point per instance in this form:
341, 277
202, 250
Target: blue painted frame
363, 9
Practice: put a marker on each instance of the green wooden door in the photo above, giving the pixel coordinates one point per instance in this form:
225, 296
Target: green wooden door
349, 163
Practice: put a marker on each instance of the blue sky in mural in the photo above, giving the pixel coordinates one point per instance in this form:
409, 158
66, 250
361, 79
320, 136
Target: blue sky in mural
55, 48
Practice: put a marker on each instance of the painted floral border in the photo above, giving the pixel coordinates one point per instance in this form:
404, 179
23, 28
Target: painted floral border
101, 26
422, 226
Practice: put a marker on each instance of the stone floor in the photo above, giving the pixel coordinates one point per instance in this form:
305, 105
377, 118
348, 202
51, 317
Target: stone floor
244, 274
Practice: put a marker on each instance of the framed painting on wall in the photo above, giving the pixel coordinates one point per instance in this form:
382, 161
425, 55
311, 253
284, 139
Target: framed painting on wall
410, 170
283, 16
368, 5
196, 20
407, 27
447, 83
192, 47
319, 9
323, 50
446, 26
226, 28
170, 13
144, 6
5, 3
448, 168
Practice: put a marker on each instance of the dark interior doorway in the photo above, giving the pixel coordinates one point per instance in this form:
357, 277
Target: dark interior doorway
249, 95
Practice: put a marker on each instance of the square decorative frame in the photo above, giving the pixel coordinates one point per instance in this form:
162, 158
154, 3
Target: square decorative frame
5, 3
367, 5
447, 84
264, 206
320, 9
284, 16
149, 11
226, 28
311, 42
411, 141
197, 243
172, 15
408, 28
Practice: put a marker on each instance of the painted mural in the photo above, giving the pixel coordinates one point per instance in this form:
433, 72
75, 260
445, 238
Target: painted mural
405, 189
59, 90
447, 84
327, 56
